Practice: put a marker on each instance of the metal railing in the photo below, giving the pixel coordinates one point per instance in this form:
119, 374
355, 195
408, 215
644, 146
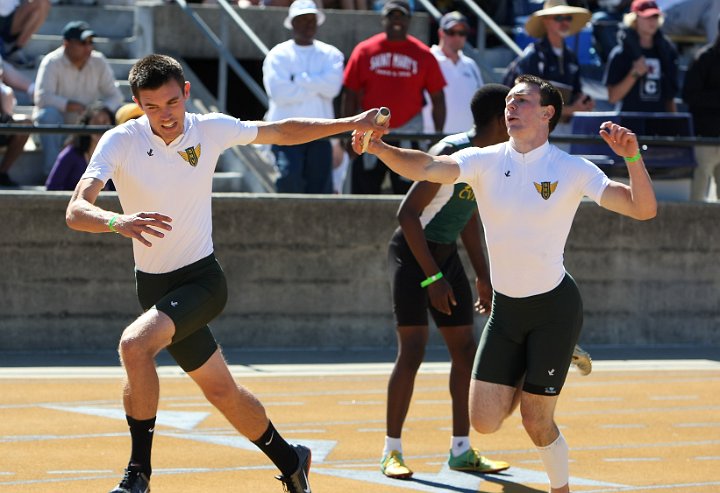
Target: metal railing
645, 140
226, 58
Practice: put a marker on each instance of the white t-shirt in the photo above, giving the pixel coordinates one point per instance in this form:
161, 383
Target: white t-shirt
463, 79
527, 203
174, 179
302, 81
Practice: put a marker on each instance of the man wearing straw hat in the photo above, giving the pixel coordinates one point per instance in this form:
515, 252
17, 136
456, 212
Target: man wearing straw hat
550, 59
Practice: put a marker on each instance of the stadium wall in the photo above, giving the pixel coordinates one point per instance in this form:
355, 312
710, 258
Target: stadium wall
310, 271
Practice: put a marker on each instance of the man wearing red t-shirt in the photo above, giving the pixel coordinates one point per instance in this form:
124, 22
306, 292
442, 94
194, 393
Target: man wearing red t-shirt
391, 69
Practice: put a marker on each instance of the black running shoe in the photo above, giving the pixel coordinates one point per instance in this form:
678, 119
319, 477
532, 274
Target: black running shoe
298, 481
133, 482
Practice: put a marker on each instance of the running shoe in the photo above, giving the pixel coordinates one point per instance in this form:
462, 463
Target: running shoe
393, 466
472, 461
133, 482
298, 481
582, 360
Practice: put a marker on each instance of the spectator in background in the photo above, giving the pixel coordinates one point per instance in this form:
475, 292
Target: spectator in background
550, 59
13, 79
701, 92
461, 73
605, 24
128, 111
391, 69
642, 72
690, 17
302, 76
13, 143
19, 20
69, 79
73, 159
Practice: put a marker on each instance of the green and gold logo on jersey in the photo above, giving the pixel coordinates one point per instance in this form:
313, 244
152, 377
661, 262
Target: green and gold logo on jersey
191, 155
466, 193
545, 188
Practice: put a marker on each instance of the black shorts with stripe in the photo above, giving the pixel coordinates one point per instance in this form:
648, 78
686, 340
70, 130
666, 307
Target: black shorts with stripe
191, 296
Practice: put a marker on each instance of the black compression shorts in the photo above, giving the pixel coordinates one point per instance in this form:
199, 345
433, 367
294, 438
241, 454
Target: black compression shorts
410, 301
533, 336
191, 296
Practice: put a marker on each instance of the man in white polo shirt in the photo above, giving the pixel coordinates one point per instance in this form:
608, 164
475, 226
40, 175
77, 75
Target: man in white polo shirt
461, 73
527, 193
162, 164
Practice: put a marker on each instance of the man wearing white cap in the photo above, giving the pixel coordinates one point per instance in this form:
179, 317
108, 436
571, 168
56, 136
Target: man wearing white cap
302, 76
549, 57
461, 73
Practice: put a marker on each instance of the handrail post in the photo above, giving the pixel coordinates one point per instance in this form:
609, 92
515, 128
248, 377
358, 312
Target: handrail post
223, 67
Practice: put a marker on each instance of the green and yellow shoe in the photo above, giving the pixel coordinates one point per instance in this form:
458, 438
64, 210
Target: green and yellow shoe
472, 461
393, 466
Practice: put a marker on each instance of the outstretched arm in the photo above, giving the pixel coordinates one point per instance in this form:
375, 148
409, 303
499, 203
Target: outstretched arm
293, 131
638, 199
412, 164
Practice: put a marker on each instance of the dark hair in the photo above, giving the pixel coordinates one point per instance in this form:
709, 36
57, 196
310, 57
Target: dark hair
488, 103
153, 71
549, 95
81, 142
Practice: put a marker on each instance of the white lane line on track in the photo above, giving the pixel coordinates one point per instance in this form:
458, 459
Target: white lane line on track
334, 369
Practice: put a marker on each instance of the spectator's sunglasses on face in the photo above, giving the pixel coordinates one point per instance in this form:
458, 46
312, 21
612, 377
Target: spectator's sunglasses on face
450, 32
563, 18
86, 42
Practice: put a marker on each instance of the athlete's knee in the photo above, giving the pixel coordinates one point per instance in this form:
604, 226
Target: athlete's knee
220, 391
131, 348
411, 353
537, 424
143, 339
485, 421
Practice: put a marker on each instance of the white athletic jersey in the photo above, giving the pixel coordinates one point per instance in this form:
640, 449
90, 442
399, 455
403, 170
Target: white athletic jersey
174, 179
527, 203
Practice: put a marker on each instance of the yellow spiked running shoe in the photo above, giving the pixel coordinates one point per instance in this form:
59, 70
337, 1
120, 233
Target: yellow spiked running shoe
393, 466
472, 461
582, 360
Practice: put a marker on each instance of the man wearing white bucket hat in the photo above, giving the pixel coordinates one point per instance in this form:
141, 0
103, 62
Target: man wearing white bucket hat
549, 57
302, 76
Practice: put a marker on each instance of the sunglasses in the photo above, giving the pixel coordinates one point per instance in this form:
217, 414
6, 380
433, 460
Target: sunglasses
456, 33
563, 18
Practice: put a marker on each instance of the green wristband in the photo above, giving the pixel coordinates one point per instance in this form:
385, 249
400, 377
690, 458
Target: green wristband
634, 158
427, 282
111, 224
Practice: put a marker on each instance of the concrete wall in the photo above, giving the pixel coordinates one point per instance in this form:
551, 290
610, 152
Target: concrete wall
311, 272
174, 32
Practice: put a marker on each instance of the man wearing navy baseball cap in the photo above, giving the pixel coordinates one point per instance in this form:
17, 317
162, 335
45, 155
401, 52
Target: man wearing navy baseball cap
56, 100
461, 73
77, 30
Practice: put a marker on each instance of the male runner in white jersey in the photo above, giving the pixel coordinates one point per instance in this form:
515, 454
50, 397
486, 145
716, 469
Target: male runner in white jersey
528, 192
162, 165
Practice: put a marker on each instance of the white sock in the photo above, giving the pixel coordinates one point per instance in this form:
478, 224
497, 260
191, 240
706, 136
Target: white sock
459, 445
555, 457
392, 444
